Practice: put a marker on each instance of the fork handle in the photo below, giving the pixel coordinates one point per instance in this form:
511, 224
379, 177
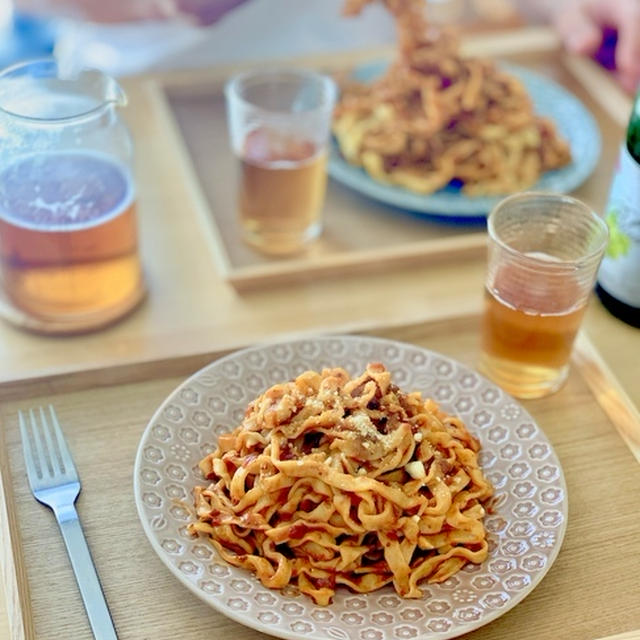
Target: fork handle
86, 576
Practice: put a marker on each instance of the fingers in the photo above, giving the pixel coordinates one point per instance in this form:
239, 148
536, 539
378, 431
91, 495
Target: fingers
580, 24
627, 17
579, 32
107, 12
206, 12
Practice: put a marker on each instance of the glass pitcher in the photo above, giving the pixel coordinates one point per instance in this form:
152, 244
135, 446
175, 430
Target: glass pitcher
69, 258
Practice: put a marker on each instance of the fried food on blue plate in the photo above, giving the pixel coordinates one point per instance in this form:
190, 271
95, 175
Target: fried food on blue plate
435, 117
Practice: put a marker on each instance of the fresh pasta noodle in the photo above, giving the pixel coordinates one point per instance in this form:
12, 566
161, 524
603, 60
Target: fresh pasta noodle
334, 481
437, 117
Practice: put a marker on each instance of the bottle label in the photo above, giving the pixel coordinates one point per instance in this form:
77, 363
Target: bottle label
619, 272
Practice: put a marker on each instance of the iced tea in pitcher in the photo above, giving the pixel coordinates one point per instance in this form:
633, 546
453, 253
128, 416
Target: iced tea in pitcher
68, 237
68, 234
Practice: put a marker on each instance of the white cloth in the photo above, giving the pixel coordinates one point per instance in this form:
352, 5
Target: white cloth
253, 31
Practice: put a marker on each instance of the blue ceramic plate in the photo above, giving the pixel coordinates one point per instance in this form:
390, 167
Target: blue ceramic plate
574, 123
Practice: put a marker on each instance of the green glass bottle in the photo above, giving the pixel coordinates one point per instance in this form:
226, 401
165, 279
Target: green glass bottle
618, 283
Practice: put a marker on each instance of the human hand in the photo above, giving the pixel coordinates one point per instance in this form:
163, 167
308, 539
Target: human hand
580, 24
205, 12
202, 12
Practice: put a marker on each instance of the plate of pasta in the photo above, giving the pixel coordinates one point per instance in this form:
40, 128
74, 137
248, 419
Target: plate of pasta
440, 132
350, 487
570, 117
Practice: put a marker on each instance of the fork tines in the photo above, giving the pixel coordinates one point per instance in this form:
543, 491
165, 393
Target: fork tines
46, 453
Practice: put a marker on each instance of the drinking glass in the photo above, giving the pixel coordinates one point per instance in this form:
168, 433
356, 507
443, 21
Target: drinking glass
279, 123
543, 255
68, 237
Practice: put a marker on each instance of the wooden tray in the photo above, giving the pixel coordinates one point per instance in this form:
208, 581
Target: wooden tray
360, 233
590, 592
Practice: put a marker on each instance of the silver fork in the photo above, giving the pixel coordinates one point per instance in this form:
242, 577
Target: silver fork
54, 481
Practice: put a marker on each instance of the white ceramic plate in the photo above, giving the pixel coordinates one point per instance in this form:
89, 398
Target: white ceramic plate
574, 123
525, 529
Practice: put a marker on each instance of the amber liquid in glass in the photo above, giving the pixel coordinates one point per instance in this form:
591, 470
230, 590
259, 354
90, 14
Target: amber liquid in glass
528, 334
282, 186
68, 237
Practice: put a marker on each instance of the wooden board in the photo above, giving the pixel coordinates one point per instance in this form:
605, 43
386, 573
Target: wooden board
590, 592
360, 234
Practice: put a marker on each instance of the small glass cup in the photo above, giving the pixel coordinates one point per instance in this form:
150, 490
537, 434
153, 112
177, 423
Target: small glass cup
279, 122
544, 253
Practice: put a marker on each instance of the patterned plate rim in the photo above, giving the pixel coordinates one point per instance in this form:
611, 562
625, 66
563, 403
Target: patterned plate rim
458, 628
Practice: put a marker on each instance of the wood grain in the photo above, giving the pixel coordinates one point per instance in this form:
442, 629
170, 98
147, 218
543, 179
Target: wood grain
609, 393
629, 635
13, 577
103, 426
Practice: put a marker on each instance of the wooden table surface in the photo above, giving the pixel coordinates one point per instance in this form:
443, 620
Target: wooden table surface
191, 309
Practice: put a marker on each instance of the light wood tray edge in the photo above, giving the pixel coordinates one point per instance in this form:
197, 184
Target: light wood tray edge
60, 382
157, 99
628, 635
360, 261
12, 568
601, 86
608, 392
